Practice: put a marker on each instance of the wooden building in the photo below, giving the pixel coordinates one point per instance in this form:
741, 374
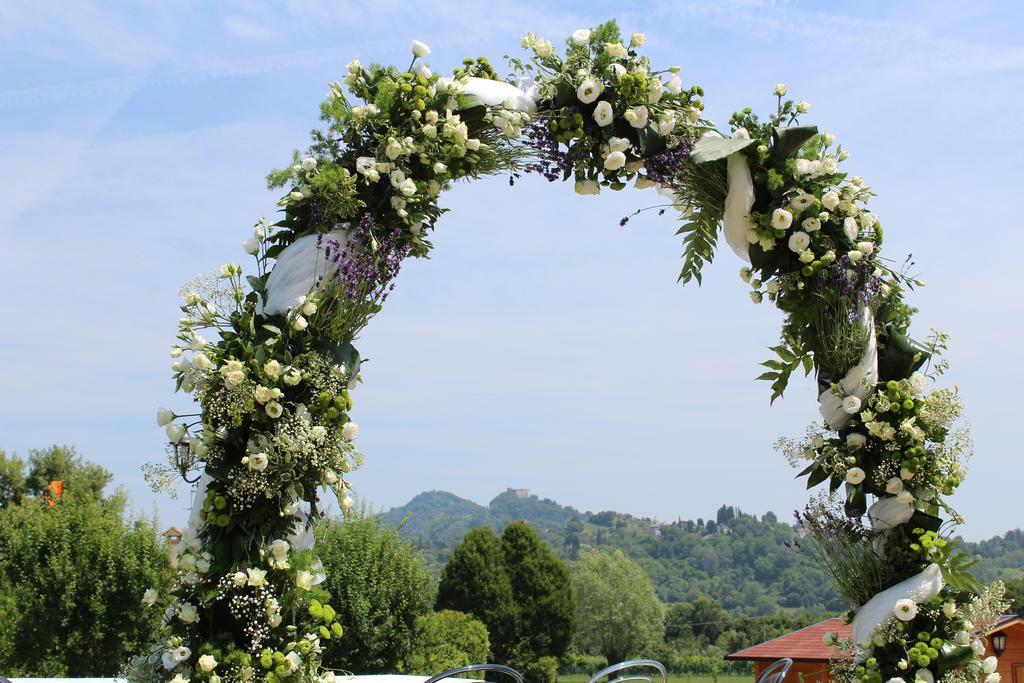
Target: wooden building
811, 655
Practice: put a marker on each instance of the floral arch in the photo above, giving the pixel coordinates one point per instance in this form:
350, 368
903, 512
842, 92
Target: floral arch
275, 385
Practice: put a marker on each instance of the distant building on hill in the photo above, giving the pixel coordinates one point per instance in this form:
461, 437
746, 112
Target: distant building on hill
811, 655
519, 493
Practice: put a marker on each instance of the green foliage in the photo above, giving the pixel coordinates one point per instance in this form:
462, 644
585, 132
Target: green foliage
618, 613
541, 670
445, 640
71, 579
1015, 595
475, 581
12, 479
380, 587
56, 463
542, 593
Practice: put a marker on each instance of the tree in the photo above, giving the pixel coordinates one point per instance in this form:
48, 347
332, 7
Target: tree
542, 593
380, 586
475, 581
12, 479
573, 530
71, 579
445, 640
618, 613
1015, 595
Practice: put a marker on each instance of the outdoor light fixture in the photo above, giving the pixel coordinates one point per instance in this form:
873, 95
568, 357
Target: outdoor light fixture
184, 458
999, 644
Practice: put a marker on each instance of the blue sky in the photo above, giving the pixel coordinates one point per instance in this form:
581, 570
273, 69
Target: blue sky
542, 346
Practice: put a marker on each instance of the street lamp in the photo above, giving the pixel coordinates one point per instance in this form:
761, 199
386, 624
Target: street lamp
999, 644
184, 458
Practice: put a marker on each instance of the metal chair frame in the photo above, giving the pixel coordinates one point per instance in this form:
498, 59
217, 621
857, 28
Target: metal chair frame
630, 664
776, 672
472, 668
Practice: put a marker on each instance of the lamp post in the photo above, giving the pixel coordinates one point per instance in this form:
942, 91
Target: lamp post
184, 458
999, 643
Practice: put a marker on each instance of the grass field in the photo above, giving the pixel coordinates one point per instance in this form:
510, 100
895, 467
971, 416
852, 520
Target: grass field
673, 678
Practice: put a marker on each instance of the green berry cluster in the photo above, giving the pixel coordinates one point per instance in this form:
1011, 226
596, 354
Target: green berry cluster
325, 613
479, 68
332, 409
216, 509
568, 127
868, 672
925, 650
929, 544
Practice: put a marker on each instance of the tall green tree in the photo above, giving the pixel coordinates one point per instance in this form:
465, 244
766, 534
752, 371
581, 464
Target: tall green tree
542, 591
445, 640
1015, 595
71, 579
380, 586
475, 581
12, 479
618, 613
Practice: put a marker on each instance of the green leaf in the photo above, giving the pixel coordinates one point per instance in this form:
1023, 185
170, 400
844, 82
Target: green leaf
786, 141
699, 241
783, 353
712, 149
817, 476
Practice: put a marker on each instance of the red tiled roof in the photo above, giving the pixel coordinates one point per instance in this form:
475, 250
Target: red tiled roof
808, 644
805, 645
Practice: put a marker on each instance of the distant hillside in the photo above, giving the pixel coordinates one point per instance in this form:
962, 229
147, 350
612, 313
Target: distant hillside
748, 564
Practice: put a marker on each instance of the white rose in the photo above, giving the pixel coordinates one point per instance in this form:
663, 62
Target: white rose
274, 409
239, 579
603, 114
803, 106
300, 323
654, 93
637, 40
830, 200
674, 85
587, 187
616, 71
347, 502
149, 597
619, 144
407, 187
851, 405
905, 497
855, 475
164, 417
589, 90
258, 461
854, 255
615, 50
851, 229
756, 297
855, 440
175, 432
989, 664
349, 431
918, 382
614, 161
746, 274
581, 36
866, 248
422, 70
905, 609
639, 116
420, 49
251, 247
292, 377
303, 580
868, 220
773, 287
272, 369
799, 241
365, 164
781, 219
811, 224
780, 90
923, 676
187, 613
257, 577
894, 485
207, 663
181, 653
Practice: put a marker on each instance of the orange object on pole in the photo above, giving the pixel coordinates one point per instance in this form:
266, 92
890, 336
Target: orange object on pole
54, 491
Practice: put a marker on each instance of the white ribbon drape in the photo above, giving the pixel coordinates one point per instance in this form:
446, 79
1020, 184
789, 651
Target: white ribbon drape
919, 588
736, 220
297, 269
859, 381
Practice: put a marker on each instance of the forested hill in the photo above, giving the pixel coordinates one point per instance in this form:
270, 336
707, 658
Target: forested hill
750, 565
